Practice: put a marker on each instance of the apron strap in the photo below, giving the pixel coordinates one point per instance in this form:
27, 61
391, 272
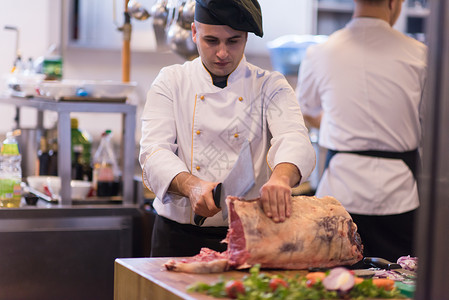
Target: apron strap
410, 158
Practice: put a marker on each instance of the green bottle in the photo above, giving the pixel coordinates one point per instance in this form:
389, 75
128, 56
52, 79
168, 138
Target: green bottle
80, 153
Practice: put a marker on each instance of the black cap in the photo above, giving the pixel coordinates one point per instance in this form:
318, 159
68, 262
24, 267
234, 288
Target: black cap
243, 15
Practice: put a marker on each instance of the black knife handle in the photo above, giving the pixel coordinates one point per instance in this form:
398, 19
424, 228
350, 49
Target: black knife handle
216, 194
381, 263
199, 220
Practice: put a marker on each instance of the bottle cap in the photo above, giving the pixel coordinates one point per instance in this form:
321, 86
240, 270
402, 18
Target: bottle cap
73, 123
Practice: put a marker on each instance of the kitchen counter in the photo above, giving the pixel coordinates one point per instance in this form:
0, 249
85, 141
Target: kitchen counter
146, 278
47, 210
53, 251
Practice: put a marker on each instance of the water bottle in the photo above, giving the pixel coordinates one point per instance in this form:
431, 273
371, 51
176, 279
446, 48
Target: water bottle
106, 174
10, 172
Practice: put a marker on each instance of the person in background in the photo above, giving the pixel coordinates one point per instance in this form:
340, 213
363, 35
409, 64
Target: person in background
363, 88
198, 116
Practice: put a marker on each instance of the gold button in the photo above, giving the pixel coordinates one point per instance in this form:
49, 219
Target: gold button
202, 97
198, 132
236, 135
198, 168
240, 98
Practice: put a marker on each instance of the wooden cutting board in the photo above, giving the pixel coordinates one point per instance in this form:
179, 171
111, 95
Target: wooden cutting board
146, 278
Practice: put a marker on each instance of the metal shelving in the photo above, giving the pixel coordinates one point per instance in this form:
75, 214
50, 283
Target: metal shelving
64, 108
331, 15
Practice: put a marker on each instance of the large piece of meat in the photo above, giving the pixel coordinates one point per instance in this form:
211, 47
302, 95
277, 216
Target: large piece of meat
319, 234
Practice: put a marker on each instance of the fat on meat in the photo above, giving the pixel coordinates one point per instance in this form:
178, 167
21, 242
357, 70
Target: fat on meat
320, 233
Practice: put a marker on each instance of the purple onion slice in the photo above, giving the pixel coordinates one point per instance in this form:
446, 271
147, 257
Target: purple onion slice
339, 279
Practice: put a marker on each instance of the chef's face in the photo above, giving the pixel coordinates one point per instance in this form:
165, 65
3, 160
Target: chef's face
220, 47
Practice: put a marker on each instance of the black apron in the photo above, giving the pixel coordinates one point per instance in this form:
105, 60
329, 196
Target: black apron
410, 158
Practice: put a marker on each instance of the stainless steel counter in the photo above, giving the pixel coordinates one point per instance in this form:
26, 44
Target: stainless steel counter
66, 251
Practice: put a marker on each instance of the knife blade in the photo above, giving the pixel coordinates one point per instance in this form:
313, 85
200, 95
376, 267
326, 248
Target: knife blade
364, 273
387, 265
240, 180
237, 183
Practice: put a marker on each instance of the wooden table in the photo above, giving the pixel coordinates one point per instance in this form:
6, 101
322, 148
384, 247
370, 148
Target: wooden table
145, 278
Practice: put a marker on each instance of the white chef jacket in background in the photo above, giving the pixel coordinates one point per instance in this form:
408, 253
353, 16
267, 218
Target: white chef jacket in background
190, 125
367, 79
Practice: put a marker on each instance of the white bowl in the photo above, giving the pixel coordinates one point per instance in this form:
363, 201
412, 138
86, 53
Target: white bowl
80, 189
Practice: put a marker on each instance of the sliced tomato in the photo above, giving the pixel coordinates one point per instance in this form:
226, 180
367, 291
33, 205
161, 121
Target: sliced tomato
275, 282
234, 287
314, 277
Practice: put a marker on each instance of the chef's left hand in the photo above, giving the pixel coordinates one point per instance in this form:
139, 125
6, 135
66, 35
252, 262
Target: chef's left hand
276, 194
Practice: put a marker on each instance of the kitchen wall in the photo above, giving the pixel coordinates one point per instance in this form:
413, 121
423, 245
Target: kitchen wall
38, 22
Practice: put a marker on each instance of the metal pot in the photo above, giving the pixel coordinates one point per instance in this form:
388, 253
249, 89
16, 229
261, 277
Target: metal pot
187, 14
159, 12
180, 41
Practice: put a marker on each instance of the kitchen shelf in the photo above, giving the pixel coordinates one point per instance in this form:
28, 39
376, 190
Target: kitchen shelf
332, 6
64, 109
419, 12
331, 15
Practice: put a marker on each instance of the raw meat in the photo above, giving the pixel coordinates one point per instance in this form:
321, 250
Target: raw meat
319, 234
207, 261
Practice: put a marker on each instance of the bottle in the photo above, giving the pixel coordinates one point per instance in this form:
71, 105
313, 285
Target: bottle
53, 158
81, 164
18, 65
106, 174
52, 64
77, 163
43, 157
10, 172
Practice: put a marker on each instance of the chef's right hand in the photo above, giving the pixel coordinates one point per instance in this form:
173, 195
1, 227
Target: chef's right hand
201, 198
198, 191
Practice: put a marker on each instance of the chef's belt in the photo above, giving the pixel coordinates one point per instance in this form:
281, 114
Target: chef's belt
410, 158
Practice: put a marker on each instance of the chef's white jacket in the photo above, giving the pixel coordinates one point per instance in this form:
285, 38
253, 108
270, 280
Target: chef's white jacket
190, 125
368, 80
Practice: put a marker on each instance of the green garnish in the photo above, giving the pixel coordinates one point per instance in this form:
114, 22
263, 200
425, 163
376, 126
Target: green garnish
257, 287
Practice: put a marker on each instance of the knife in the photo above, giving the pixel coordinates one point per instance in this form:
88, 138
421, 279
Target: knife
237, 183
387, 265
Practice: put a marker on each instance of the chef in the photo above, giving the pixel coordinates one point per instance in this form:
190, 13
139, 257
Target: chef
196, 120
363, 88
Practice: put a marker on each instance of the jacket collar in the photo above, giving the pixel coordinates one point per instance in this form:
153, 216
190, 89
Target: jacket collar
206, 78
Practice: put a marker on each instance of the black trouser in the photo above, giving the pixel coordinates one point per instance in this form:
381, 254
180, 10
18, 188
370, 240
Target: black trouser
172, 239
386, 236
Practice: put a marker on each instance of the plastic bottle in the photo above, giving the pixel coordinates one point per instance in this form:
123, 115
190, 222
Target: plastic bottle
81, 153
106, 174
10, 173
